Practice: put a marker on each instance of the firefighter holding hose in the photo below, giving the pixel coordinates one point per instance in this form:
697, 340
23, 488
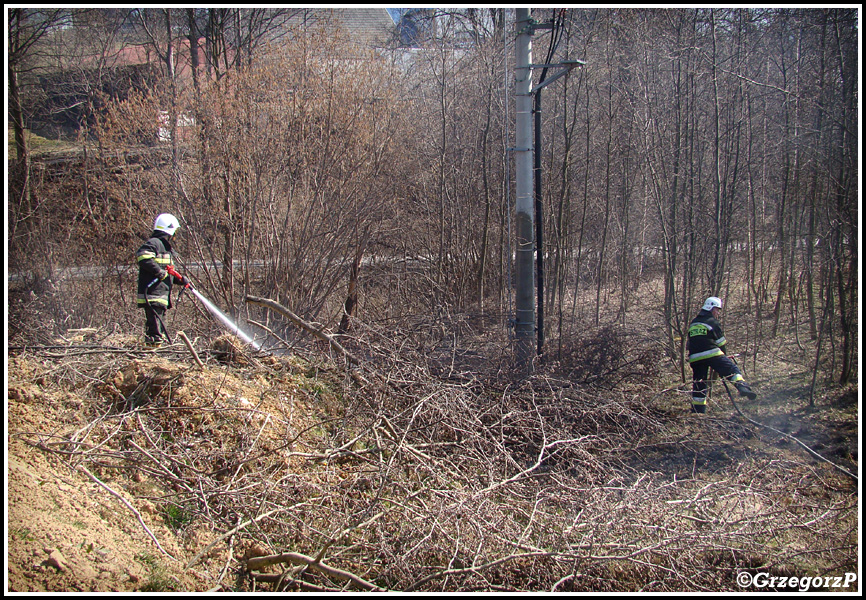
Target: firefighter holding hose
156, 274
707, 349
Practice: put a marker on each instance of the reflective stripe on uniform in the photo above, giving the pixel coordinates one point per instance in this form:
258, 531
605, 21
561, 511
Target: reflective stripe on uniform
699, 401
160, 259
707, 354
141, 300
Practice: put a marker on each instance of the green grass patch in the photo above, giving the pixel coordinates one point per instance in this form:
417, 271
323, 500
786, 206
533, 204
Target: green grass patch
158, 579
176, 516
37, 144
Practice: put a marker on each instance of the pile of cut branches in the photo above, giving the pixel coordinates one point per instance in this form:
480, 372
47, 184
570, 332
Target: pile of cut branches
323, 475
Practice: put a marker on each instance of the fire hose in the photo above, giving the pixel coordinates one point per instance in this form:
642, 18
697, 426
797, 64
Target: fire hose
782, 433
181, 280
224, 319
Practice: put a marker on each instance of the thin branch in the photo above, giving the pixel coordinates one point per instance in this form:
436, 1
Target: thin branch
279, 308
130, 507
295, 558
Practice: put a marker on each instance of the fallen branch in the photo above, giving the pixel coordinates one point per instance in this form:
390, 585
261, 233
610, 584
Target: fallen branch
130, 507
295, 558
186, 341
279, 308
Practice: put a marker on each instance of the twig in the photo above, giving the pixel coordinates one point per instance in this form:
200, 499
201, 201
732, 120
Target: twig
255, 441
230, 533
346, 532
186, 341
477, 568
163, 469
130, 507
539, 461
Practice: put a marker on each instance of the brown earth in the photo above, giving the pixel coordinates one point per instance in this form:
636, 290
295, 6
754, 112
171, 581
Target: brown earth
68, 528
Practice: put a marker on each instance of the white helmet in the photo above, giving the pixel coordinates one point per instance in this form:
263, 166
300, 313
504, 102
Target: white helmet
712, 302
167, 223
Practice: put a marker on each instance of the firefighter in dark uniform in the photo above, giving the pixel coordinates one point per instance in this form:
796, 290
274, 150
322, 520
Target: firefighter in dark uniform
154, 278
706, 348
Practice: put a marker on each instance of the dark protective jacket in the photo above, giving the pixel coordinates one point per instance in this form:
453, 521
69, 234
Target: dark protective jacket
154, 282
706, 339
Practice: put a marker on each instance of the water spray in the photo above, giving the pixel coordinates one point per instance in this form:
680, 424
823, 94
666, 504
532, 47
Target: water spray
223, 318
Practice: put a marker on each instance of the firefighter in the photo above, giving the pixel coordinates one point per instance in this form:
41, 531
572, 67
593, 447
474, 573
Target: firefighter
706, 348
155, 279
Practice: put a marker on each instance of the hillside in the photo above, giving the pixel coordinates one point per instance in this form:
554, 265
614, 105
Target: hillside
132, 470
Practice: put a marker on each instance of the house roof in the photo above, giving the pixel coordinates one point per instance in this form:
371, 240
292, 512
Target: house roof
366, 27
371, 27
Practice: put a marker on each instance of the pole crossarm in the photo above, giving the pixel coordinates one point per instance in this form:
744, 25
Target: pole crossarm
565, 68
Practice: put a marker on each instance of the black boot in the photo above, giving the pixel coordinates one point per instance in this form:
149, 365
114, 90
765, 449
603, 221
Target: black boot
746, 391
699, 408
153, 341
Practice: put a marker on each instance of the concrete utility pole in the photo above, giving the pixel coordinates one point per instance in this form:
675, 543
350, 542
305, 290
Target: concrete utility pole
524, 203
528, 202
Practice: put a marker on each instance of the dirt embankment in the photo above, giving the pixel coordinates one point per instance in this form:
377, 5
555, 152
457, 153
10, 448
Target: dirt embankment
83, 515
68, 528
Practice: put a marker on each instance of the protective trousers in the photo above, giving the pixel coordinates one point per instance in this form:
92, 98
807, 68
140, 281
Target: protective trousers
722, 365
155, 330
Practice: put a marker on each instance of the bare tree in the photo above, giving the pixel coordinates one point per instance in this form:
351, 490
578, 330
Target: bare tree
710, 147
27, 28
